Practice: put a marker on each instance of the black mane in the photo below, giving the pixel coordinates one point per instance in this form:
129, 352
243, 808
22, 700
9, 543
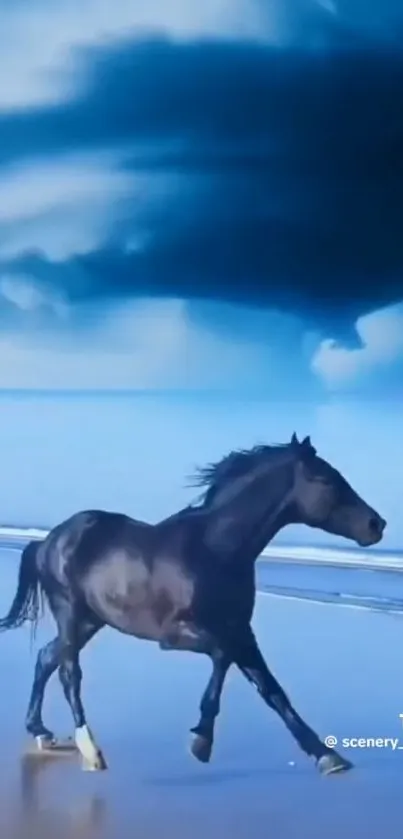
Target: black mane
213, 476
232, 465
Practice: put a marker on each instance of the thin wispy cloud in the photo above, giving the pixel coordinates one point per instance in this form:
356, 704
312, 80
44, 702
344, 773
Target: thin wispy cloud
62, 207
27, 296
147, 344
381, 334
43, 44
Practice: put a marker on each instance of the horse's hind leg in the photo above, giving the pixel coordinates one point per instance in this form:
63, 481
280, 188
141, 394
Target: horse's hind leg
47, 662
203, 732
70, 677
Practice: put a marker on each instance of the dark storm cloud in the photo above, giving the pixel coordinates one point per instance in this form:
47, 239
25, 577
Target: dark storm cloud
293, 161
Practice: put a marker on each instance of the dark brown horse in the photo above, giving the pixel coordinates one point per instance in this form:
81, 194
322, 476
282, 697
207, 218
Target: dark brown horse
187, 583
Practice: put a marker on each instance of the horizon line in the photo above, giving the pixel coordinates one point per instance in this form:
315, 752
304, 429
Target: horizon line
187, 392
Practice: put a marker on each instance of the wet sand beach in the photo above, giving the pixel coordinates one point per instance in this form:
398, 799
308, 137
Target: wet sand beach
342, 667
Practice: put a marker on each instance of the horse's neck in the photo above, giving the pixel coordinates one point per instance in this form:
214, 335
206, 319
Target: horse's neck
268, 529
243, 526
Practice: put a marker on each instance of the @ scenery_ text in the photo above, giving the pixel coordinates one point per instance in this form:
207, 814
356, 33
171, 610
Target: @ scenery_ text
394, 743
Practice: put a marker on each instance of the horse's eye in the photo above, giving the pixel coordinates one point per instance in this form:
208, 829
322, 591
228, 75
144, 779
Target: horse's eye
324, 479
317, 477
320, 478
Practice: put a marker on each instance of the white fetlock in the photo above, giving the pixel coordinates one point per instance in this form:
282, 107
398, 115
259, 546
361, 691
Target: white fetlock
93, 759
43, 742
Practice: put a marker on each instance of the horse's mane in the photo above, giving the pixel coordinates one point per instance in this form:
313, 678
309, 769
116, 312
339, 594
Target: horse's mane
232, 465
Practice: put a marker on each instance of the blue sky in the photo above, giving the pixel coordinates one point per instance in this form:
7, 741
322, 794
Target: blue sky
136, 452
203, 204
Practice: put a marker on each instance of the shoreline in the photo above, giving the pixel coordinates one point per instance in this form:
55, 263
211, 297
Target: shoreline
325, 578
16, 538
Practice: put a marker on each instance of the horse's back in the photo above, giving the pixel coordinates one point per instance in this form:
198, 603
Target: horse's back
139, 578
82, 541
115, 565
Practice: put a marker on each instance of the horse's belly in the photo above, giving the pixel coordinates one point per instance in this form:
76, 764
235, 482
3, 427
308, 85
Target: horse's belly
120, 615
120, 594
126, 596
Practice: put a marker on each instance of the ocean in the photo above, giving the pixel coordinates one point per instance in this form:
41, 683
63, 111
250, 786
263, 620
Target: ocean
354, 577
369, 557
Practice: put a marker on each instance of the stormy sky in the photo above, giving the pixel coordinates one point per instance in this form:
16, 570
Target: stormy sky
205, 196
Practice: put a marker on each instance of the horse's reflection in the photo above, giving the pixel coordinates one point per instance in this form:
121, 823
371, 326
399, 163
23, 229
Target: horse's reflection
39, 821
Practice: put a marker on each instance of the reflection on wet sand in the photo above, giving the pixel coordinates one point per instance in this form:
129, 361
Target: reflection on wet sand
37, 820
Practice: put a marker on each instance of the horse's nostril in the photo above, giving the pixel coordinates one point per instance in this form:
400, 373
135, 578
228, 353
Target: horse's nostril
377, 524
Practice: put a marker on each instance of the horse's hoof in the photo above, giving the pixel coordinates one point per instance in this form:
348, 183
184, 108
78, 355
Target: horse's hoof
332, 762
201, 748
55, 744
98, 764
45, 742
47, 746
93, 759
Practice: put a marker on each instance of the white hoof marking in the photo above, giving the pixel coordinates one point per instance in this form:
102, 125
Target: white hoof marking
43, 743
93, 759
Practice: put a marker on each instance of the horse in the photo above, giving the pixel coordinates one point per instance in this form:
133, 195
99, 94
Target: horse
186, 583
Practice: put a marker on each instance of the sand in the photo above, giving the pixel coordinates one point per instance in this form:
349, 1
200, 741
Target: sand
343, 669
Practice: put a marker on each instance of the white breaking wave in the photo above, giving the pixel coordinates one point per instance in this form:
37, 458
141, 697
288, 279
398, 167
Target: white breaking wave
22, 533
335, 556
371, 558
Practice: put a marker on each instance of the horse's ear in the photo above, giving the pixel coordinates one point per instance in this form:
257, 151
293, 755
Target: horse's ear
307, 449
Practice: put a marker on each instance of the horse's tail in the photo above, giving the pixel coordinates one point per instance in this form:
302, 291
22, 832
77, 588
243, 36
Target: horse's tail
28, 601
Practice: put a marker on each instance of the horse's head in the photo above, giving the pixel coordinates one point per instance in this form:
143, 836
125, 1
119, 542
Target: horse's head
325, 500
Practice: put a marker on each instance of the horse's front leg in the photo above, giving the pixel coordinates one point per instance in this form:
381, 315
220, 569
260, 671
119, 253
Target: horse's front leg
187, 636
250, 661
